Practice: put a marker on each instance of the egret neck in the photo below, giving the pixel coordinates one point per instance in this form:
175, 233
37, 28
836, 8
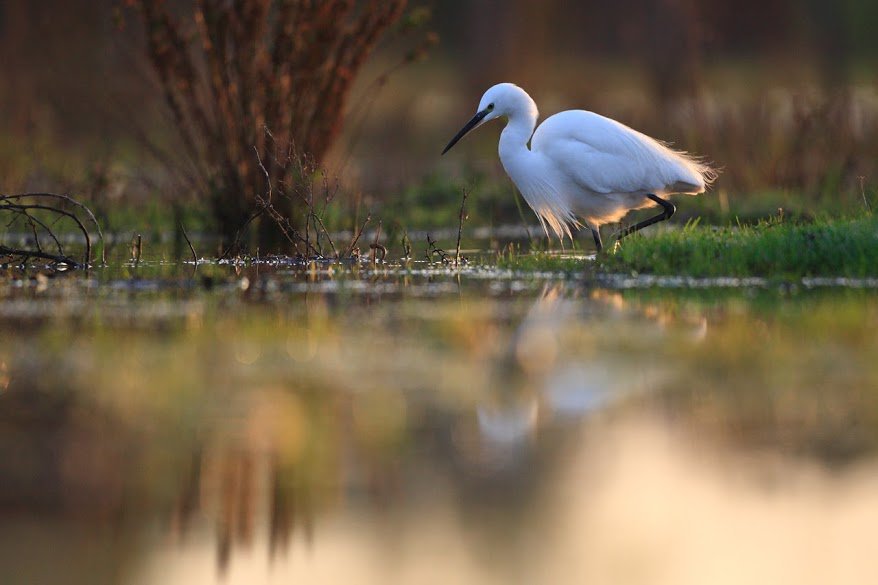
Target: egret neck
522, 120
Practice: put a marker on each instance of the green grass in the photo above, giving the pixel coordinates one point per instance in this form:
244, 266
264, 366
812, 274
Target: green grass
773, 249
845, 247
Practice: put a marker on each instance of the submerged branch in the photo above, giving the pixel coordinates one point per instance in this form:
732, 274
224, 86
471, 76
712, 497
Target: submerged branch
23, 208
6, 251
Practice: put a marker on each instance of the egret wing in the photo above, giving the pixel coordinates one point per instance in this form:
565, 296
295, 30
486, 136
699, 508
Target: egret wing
605, 156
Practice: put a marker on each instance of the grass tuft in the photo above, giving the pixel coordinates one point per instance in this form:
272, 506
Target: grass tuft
836, 247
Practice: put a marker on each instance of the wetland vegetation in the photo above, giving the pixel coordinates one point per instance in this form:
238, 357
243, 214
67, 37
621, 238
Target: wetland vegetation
257, 331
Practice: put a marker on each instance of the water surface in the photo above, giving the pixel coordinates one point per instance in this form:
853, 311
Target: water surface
166, 423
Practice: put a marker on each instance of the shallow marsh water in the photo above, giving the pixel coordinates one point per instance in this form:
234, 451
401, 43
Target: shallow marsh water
412, 424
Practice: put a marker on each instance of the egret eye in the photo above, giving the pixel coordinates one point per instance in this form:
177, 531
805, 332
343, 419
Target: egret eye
490, 107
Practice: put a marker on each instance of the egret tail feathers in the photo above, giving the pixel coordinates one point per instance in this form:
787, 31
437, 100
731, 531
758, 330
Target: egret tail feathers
701, 175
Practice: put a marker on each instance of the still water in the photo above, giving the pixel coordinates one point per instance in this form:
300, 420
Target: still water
164, 424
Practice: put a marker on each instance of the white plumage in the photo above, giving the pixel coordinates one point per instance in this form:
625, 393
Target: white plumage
582, 168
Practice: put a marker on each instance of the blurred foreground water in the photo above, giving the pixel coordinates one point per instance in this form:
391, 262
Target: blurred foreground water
163, 424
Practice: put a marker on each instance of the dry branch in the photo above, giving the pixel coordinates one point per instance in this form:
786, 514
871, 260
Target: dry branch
359, 233
460, 219
24, 255
434, 250
39, 212
189, 243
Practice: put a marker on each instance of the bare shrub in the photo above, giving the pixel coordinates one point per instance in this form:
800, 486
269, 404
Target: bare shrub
231, 68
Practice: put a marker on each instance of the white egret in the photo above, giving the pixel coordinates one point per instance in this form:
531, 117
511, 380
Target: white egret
583, 169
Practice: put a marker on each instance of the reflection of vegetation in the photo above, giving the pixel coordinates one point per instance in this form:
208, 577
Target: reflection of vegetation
252, 412
799, 377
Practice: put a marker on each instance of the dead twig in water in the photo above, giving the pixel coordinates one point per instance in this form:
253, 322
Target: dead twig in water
406, 246
358, 234
461, 219
136, 248
290, 233
326, 233
189, 242
375, 245
434, 250
375, 250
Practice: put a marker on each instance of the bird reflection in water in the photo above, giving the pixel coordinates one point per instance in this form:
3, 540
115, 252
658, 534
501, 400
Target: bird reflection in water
545, 378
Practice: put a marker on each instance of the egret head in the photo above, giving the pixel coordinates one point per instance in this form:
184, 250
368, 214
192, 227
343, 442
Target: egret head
503, 99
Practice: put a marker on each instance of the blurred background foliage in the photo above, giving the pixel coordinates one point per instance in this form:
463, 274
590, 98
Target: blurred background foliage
782, 95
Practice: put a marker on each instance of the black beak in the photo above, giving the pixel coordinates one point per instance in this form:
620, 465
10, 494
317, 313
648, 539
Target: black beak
469, 126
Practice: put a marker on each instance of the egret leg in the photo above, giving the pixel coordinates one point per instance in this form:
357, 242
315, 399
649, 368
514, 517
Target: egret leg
596, 234
668, 209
